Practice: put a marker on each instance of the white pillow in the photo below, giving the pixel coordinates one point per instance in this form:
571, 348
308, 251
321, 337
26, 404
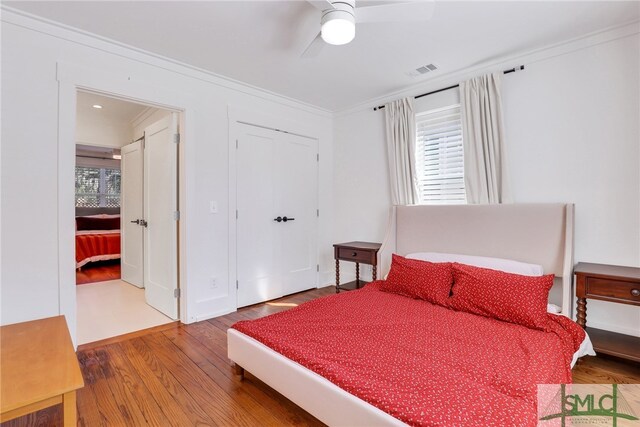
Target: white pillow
506, 265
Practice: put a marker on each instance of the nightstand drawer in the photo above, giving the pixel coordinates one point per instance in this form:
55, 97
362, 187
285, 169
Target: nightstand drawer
613, 290
355, 255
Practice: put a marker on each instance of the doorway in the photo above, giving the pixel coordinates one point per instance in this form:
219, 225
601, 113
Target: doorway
126, 217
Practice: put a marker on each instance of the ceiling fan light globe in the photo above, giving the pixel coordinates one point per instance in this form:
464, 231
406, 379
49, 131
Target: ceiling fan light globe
338, 30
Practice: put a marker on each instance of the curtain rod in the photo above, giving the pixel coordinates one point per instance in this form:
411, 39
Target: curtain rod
512, 70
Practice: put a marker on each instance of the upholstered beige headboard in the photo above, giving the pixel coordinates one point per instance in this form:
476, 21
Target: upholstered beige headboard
533, 233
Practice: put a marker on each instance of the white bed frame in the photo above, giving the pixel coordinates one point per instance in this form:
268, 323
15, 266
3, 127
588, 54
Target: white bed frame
534, 233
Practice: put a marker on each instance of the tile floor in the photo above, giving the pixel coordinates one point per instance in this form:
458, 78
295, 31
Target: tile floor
108, 309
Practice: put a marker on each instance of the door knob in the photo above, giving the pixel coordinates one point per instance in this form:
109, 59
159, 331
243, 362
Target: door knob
279, 219
285, 219
137, 221
143, 223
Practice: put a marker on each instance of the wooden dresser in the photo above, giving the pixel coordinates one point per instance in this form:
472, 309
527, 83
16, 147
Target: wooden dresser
610, 283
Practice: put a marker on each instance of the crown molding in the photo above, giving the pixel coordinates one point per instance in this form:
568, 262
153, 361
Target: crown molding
17, 17
74, 35
508, 61
142, 116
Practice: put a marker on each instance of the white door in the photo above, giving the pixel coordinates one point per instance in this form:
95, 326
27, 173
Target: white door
257, 261
276, 178
298, 201
160, 208
131, 212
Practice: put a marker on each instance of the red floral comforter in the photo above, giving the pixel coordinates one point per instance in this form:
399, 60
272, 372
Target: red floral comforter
422, 363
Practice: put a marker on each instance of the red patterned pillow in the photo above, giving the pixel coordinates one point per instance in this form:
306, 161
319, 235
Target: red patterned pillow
505, 296
419, 279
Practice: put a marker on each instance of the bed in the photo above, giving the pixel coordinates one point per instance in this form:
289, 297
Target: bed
97, 236
331, 356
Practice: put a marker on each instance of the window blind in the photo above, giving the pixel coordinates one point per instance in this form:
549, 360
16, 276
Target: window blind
97, 187
439, 157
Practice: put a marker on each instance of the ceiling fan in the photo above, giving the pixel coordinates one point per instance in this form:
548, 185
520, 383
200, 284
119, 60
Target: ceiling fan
339, 18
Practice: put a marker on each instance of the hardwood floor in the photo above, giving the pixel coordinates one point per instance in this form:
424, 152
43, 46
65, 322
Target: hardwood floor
606, 370
180, 376
98, 272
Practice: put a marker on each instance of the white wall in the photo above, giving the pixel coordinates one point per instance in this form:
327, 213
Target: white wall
573, 135
101, 131
148, 118
572, 126
34, 55
107, 129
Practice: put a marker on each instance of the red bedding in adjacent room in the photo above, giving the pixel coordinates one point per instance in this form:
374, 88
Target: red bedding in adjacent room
96, 247
422, 363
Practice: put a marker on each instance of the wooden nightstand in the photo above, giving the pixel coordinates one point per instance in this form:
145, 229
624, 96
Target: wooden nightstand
614, 284
360, 253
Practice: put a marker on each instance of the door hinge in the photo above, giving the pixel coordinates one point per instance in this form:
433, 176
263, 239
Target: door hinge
236, 144
176, 215
236, 284
318, 157
317, 212
176, 138
176, 293
236, 213
318, 267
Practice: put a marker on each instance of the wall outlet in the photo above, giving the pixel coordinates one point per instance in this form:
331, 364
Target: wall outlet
213, 283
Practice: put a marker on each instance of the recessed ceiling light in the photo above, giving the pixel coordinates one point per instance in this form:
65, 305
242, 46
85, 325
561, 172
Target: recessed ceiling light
97, 106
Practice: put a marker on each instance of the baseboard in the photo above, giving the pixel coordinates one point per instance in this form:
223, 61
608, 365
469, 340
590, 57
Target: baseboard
614, 328
214, 314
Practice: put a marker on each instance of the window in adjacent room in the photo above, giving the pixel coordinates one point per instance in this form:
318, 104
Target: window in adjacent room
439, 157
97, 187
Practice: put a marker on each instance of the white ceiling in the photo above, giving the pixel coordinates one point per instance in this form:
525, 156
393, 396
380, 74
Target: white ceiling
113, 110
259, 42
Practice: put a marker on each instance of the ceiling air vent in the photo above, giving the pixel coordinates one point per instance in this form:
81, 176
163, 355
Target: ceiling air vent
425, 69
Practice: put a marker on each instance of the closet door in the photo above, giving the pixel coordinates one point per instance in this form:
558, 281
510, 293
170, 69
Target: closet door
276, 178
256, 231
298, 199
160, 207
131, 212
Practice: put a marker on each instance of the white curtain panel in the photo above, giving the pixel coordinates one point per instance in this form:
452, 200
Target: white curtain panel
483, 140
401, 149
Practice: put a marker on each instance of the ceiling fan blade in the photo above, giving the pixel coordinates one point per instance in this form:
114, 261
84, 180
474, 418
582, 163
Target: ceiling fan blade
396, 12
314, 48
321, 4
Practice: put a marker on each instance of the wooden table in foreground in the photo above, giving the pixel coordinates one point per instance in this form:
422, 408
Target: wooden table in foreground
38, 369
610, 283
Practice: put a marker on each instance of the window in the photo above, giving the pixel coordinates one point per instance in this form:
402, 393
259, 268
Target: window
97, 187
439, 157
